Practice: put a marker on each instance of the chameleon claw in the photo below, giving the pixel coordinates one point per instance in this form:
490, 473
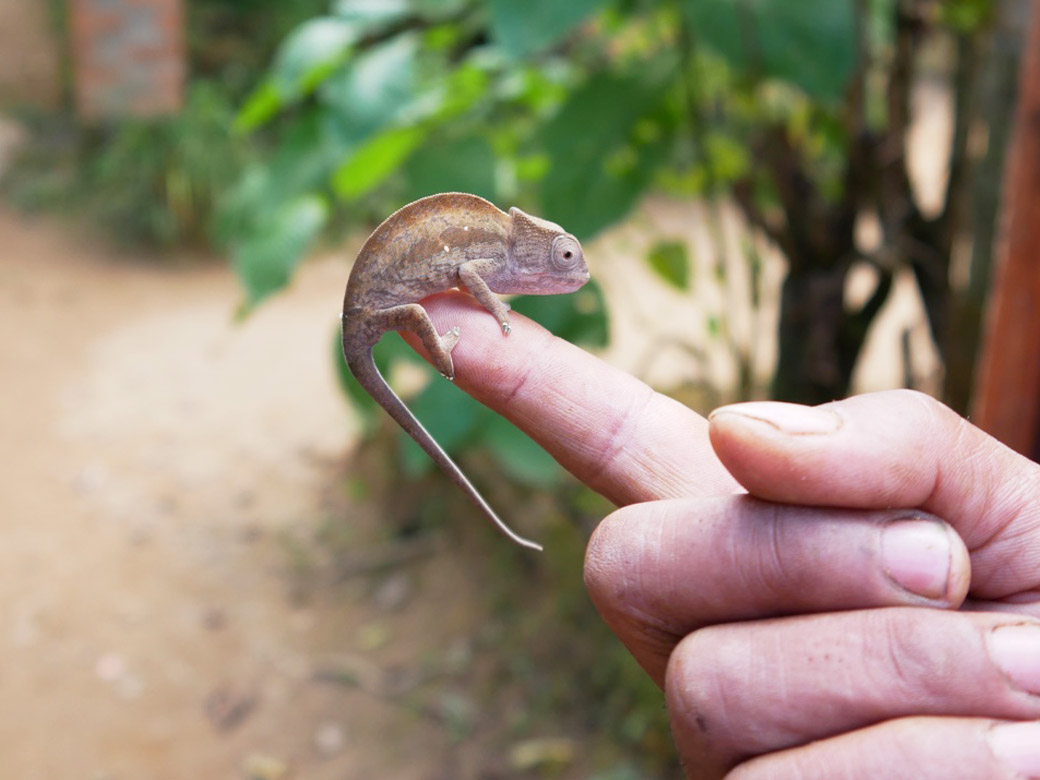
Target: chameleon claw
507, 328
450, 339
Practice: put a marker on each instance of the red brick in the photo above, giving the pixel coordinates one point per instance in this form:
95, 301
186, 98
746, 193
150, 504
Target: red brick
128, 57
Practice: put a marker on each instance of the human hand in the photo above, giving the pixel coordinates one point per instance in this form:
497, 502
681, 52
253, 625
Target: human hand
820, 626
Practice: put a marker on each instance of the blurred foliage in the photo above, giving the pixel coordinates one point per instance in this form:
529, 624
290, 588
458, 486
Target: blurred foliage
155, 182
230, 41
798, 112
576, 110
160, 182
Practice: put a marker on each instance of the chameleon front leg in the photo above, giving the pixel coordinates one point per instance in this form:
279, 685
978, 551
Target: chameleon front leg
470, 278
413, 317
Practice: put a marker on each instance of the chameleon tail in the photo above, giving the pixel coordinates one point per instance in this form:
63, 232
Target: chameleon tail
364, 370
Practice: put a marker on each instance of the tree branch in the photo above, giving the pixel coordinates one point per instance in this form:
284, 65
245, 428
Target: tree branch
743, 193
956, 197
896, 205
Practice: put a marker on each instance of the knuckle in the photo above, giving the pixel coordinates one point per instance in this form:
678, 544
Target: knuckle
616, 559
615, 438
703, 684
604, 562
779, 565
917, 653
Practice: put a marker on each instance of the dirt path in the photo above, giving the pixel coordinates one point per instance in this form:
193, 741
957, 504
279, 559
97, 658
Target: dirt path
160, 468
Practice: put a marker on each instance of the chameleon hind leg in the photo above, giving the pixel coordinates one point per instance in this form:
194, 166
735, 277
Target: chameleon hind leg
413, 317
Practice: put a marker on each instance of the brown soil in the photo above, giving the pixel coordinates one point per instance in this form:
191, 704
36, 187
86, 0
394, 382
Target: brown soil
165, 476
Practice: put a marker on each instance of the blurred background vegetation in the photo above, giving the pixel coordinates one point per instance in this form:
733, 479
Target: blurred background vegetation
307, 122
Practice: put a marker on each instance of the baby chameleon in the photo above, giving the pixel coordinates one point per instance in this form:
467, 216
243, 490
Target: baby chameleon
436, 243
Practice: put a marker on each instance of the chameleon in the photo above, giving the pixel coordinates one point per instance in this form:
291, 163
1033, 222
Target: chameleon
442, 241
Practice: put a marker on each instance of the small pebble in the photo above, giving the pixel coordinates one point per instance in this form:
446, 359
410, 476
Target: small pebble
227, 707
393, 592
110, 667
258, 766
542, 754
329, 739
213, 618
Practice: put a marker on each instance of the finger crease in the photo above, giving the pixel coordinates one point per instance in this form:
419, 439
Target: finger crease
616, 440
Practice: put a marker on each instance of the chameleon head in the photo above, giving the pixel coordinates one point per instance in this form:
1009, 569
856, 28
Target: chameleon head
545, 257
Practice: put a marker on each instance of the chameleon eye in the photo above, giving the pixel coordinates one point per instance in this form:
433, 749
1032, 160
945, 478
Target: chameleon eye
566, 252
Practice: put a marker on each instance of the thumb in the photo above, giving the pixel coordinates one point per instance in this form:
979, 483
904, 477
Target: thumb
895, 449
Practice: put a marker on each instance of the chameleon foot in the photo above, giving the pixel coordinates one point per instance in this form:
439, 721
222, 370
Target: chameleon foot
450, 339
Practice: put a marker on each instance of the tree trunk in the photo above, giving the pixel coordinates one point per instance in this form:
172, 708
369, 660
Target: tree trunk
1007, 402
813, 365
995, 98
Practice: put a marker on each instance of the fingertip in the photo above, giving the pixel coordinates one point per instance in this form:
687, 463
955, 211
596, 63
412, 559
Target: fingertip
762, 443
776, 416
870, 451
619, 559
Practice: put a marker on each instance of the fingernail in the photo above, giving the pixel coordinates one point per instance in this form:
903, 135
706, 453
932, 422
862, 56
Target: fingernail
1016, 650
1017, 745
787, 418
916, 556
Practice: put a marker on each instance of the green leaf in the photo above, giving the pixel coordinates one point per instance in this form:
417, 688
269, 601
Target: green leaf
670, 260
967, 16
381, 12
462, 165
729, 159
305, 58
519, 456
597, 170
264, 102
372, 12
299, 165
448, 414
374, 89
393, 348
524, 28
811, 43
265, 260
372, 162
580, 318
310, 53
463, 87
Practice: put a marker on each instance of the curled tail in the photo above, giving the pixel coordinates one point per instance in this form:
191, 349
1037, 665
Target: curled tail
364, 369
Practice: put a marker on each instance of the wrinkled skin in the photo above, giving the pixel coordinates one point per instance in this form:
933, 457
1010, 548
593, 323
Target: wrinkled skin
851, 591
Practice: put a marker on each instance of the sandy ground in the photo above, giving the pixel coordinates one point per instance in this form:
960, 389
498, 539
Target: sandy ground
162, 473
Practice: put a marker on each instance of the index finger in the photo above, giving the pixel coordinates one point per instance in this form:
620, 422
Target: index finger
610, 430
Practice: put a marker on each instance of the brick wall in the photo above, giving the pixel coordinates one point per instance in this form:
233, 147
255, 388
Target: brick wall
128, 57
29, 54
